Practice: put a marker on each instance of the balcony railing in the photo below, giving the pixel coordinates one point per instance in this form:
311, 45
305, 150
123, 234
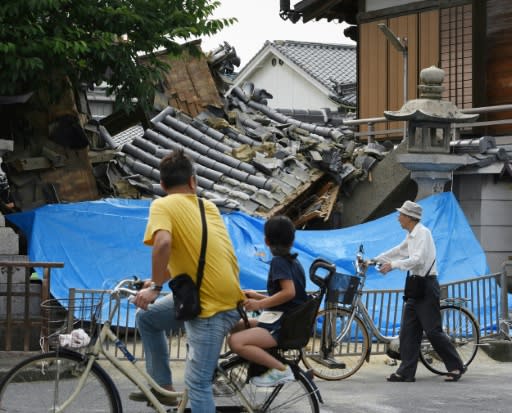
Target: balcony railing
371, 133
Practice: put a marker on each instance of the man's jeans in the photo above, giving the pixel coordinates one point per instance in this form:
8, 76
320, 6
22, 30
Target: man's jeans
205, 337
154, 325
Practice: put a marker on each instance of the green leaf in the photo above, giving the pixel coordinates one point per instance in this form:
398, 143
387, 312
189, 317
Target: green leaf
82, 38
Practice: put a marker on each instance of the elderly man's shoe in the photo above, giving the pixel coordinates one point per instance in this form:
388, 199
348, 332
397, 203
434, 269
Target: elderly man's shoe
397, 378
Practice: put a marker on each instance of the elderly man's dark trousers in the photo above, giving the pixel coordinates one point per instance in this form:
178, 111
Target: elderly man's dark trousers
424, 315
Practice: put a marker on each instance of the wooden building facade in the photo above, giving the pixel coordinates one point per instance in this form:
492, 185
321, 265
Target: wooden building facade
471, 40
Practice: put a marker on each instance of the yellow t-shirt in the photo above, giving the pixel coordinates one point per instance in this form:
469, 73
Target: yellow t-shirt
179, 214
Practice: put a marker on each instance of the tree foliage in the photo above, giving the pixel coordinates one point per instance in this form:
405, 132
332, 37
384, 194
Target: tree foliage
94, 40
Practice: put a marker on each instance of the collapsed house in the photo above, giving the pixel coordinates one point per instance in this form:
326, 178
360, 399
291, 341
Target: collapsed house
262, 163
249, 157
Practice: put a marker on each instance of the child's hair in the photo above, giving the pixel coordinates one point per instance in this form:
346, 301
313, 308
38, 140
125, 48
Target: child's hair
280, 234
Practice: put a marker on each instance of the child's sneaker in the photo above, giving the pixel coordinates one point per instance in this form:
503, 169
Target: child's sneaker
273, 377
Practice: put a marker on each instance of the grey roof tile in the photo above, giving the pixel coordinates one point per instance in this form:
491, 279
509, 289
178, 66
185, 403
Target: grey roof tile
330, 64
488, 154
278, 172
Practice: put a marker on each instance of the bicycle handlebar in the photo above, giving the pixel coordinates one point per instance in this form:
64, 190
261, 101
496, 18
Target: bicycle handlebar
128, 286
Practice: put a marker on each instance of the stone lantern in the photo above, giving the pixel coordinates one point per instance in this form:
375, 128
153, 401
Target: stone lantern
429, 121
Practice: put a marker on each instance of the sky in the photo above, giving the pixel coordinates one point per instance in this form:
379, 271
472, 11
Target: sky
258, 21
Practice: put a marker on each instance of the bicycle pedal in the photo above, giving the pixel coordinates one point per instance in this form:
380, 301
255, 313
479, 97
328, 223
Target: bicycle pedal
329, 362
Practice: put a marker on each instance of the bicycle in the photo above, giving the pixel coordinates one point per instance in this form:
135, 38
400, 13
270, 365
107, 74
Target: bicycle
67, 380
340, 346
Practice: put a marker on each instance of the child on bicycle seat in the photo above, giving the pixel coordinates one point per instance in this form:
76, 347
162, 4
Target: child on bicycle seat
286, 284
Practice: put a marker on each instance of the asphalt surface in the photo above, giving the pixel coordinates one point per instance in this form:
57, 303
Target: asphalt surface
486, 387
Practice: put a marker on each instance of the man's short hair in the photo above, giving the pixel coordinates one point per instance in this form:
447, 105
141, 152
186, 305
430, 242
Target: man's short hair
176, 169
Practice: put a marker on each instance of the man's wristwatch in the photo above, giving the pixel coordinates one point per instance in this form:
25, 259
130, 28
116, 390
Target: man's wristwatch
155, 287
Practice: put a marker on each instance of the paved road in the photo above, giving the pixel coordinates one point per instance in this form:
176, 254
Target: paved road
486, 387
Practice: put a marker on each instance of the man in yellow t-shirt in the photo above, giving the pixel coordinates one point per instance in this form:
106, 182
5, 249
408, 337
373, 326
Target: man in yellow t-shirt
174, 230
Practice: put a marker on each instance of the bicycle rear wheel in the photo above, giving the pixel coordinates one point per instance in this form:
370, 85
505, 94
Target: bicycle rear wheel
462, 329
329, 358
232, 384
43, 382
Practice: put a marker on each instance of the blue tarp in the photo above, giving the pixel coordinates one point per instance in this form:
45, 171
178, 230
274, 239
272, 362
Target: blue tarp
101, 242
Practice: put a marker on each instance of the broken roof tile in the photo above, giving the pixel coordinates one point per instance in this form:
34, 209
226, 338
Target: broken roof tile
257, 172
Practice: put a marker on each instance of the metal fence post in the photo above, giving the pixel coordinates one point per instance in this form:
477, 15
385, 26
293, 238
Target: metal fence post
71, 310
505, 287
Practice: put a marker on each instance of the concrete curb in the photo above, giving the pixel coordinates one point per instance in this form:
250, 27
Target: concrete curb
499, 350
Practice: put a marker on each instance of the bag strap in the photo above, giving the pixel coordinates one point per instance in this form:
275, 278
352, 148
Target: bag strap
204, 239
428, 272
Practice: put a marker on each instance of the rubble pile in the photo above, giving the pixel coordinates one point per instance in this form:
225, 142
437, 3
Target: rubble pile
249, 157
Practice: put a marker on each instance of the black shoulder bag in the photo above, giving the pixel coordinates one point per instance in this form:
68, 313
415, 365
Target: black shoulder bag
185, 293
415, 284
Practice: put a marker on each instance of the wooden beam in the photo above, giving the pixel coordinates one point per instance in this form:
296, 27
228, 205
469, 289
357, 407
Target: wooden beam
31, 164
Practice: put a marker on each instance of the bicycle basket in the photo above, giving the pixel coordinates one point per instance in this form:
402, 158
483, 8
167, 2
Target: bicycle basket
64, 315
342, 288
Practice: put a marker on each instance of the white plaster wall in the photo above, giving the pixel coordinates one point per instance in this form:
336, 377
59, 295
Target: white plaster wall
289, 89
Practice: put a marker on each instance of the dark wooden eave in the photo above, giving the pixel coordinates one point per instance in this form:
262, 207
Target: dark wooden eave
342, 10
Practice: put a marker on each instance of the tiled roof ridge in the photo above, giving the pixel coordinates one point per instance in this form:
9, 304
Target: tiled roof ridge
300, 42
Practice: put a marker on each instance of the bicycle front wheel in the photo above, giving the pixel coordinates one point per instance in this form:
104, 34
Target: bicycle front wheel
330, 355
234, 392
462, 329
44, 382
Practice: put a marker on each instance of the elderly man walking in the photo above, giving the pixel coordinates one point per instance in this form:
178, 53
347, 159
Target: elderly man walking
417, 255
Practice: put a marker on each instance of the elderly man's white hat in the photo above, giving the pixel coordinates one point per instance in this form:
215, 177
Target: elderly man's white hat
411, 209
